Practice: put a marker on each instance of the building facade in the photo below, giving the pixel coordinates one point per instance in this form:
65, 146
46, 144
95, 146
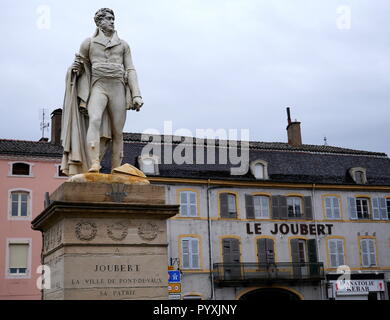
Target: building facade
295, 222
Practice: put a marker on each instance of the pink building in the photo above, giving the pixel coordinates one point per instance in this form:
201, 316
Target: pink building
28, 169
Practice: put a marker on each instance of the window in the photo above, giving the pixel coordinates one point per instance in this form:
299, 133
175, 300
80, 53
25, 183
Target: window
358, 175
190, 253
379, 209
294, 207
257, 207
148, 164
228, 205
259, 169
362, 208
266, 250
388, 208
59, 172
368, 255
20, 169
332, 207
336, 252
20, 204
18, 259
188, 204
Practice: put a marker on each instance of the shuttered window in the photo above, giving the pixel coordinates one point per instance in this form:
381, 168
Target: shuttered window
231, 250
228, 205
188, 207
266, 250
190, 253
332, 207
18, 258
257, 207
20, 204
336, 252
368, 253
379, 209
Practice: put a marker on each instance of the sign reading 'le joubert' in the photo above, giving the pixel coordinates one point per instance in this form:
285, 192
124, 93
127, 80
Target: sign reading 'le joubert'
292, 228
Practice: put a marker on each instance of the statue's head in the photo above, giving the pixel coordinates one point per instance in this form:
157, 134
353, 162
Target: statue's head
104, 19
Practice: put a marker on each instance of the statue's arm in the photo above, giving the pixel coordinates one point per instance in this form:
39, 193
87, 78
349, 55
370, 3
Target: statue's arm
82, 56
131, 73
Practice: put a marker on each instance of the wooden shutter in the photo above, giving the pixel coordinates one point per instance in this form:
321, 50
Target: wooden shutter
336, 208
312, 250
194, 253
249, 205
333, 253
223, 202
262, 250
192, 204
352, 208
365, 254
184, 204
376, 215
186, 253
231, 250
340, 252
328, 208
283, 207
294, 250
275, 207
383, 209
270, 250
371, 251
308, 208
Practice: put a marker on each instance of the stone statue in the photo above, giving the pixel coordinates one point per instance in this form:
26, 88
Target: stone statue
101, 86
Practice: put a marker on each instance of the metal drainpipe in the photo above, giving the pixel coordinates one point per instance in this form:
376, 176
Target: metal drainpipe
317, 239
212, 297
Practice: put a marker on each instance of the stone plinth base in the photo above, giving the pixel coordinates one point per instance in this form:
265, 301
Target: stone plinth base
105, 241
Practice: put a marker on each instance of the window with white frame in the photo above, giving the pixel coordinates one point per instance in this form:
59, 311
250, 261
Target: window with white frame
190, 253
294, 206
261, 207
148, 164
336, 252
362, 208
21, 169
188, 206
368, 252
259, 169
18, 255
332, 207
20, 204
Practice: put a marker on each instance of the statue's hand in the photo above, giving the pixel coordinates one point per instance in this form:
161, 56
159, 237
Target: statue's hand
137, 103
77, 67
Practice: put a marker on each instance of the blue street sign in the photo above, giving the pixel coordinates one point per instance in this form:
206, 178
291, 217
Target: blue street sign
174, 276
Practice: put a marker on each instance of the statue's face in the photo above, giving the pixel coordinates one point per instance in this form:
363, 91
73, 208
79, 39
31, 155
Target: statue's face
107, 23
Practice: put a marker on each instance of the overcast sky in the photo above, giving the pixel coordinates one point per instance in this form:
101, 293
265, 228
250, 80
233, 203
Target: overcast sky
231, 64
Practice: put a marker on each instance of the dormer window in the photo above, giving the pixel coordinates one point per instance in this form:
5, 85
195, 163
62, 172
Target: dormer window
148, 165
358, 175
259, 169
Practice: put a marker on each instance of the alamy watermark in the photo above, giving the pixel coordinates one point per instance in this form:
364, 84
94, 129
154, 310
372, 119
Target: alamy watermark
344, 17
43, 21
201, 148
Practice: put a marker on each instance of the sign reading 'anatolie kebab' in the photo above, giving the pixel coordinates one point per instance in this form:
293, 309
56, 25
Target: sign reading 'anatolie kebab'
292, 228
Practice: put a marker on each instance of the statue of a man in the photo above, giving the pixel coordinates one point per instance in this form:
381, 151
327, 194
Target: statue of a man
101, 86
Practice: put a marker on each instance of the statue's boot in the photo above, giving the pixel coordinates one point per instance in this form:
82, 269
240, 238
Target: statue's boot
93, 152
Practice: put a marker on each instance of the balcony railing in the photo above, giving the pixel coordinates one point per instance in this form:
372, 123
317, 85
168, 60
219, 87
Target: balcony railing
252, 272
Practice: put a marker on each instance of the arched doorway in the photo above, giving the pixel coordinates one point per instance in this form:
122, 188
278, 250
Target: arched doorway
274, 294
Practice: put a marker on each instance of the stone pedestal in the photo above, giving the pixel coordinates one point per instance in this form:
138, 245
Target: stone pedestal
106, 241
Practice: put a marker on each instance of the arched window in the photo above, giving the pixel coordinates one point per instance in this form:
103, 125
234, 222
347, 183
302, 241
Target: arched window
148, 165
359, 175
259, 169
20, 169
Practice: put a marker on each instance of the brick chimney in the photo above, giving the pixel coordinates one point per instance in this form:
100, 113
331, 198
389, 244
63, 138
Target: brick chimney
56, 118
293, 131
